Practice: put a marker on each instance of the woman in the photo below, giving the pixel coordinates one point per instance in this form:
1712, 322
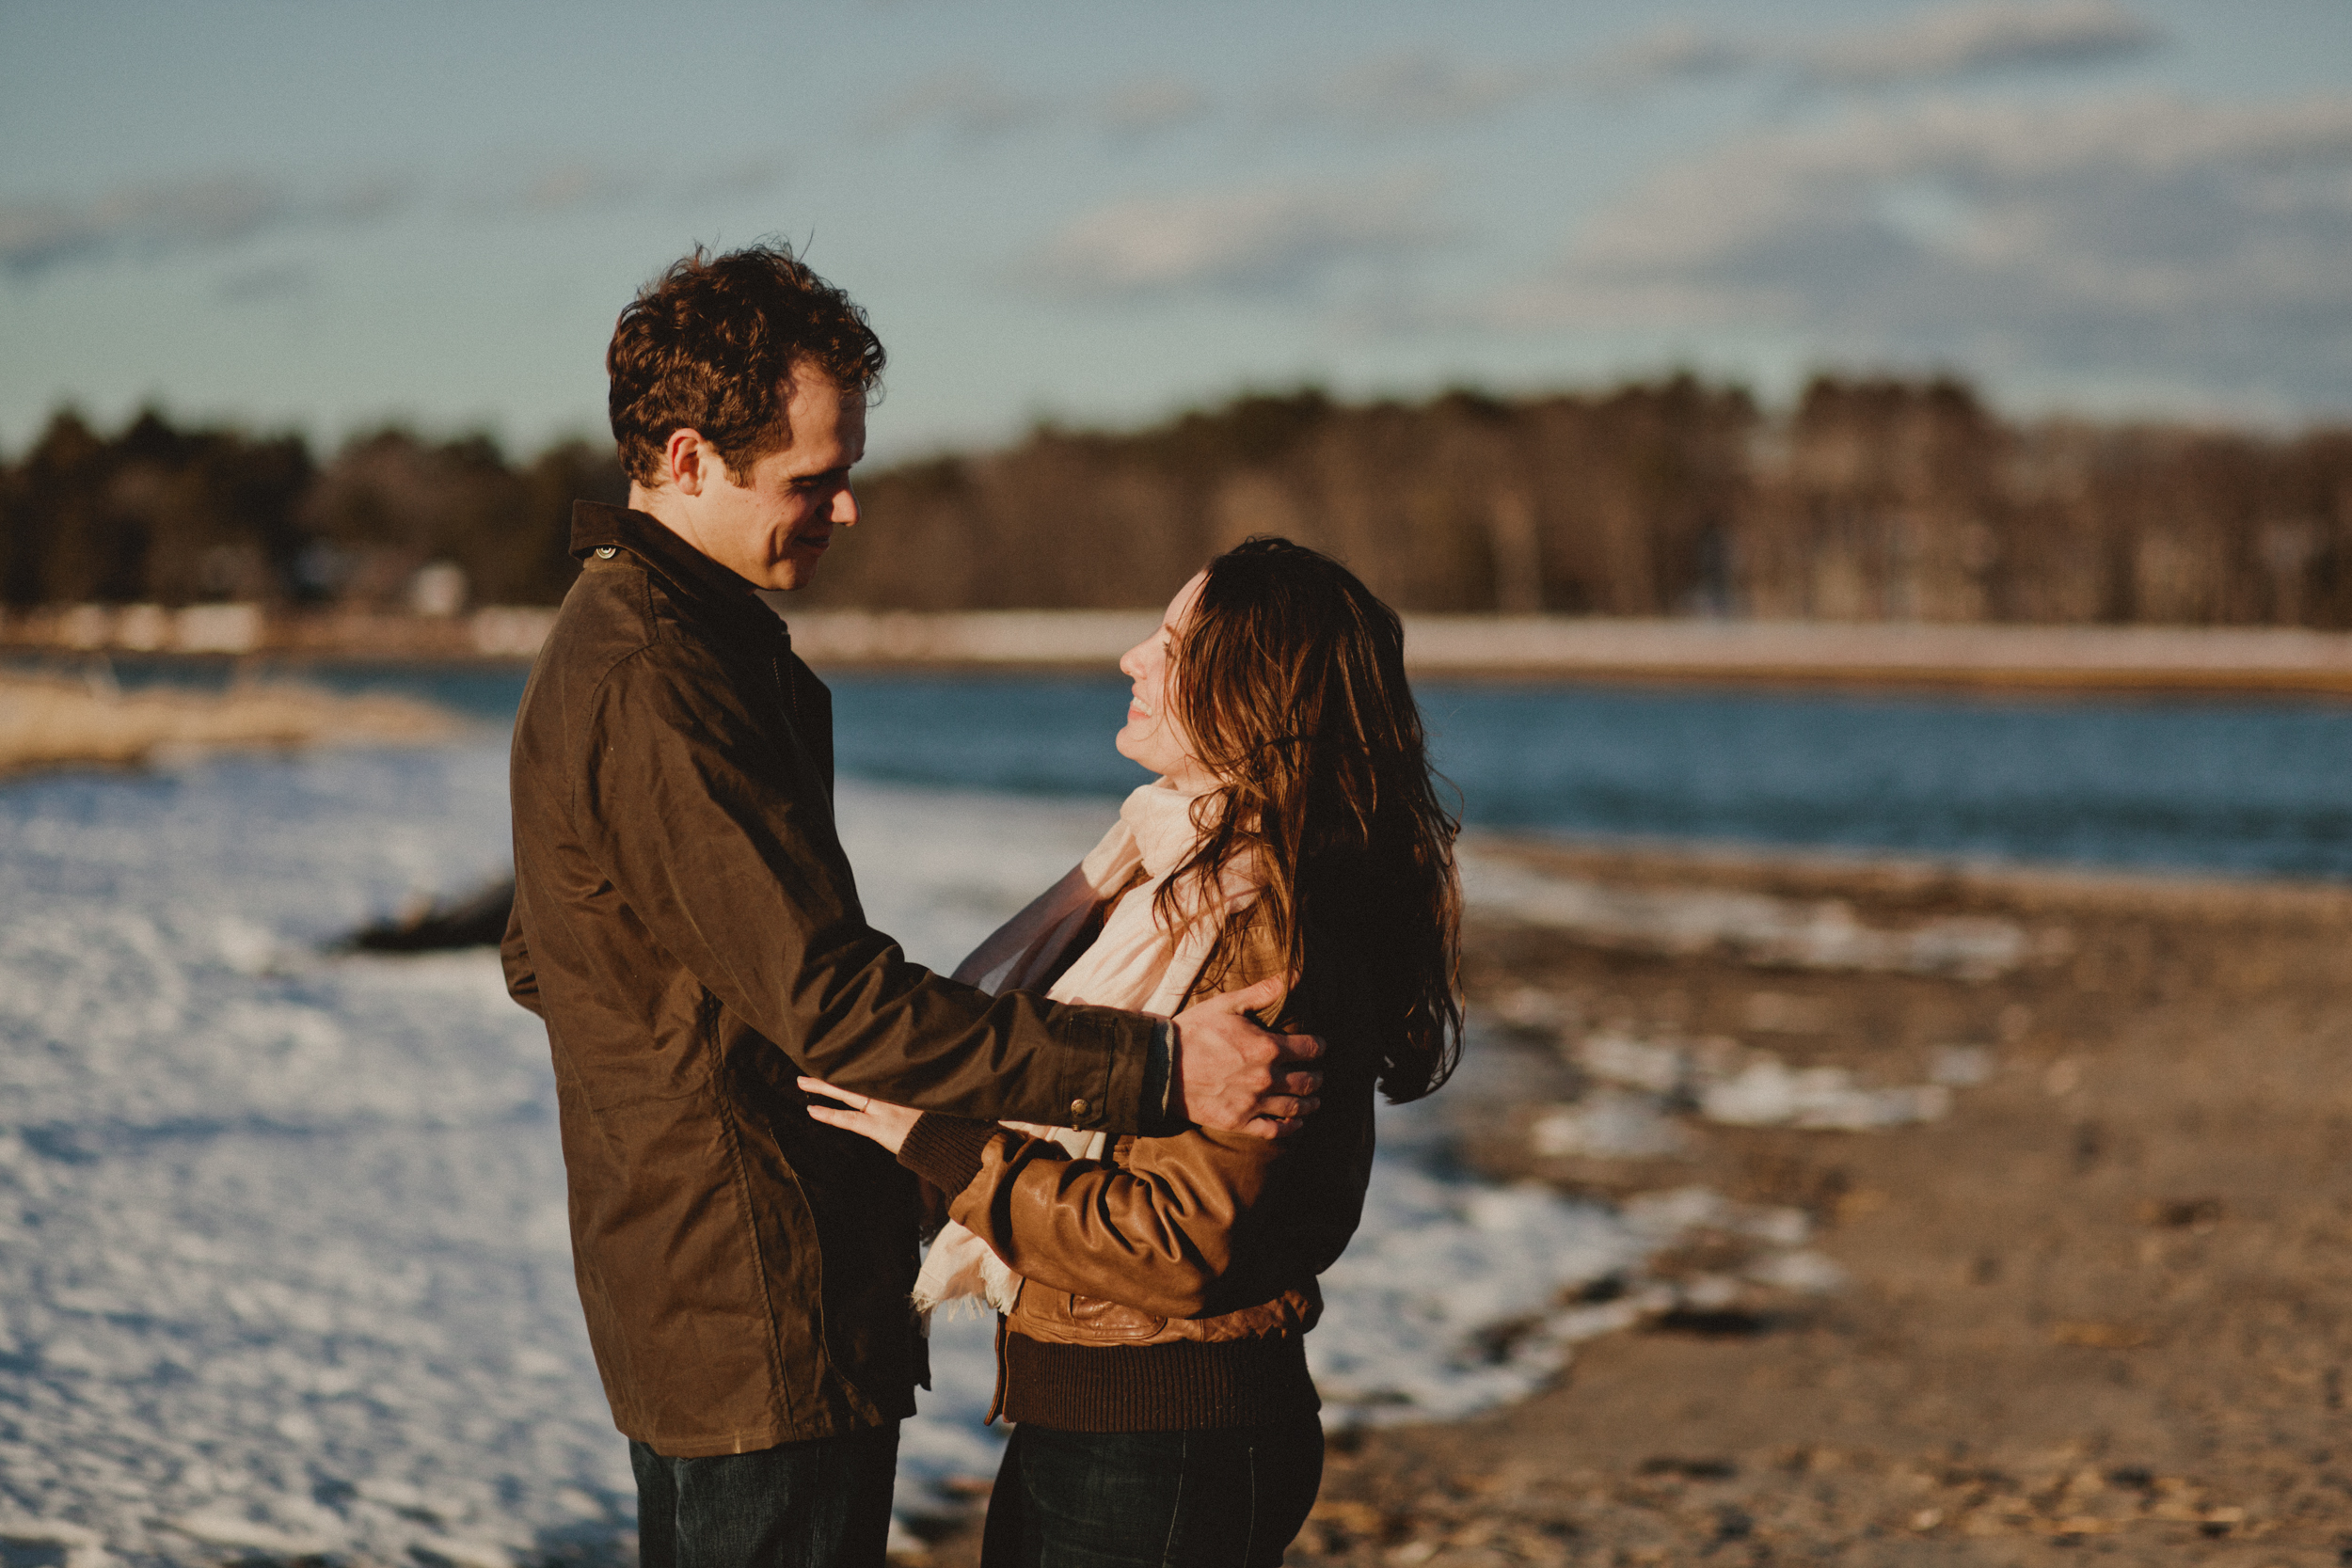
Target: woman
1155, 1295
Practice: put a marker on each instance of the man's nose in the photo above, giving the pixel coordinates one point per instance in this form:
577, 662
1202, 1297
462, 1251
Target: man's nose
845, 507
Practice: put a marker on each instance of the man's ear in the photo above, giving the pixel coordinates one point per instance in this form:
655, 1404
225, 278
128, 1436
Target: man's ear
689, 460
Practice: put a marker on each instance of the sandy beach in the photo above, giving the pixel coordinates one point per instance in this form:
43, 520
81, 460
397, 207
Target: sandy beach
1947, 656
2100, 1304
56, 721
2095, 1309
2029, 1239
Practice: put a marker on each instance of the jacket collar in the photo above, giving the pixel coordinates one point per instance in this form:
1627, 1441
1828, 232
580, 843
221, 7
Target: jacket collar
598, 529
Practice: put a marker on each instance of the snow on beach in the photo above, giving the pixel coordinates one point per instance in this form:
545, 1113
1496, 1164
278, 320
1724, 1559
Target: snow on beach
283, 1262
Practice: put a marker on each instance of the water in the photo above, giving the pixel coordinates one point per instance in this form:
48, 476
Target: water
2243, 786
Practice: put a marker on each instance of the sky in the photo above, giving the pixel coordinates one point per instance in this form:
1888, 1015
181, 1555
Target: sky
288, 213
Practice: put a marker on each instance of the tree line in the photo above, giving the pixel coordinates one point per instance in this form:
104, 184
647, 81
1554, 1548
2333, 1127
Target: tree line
156, 514
1868, 500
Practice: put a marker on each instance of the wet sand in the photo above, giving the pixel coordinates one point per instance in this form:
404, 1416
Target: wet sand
54, 722
2098, 1309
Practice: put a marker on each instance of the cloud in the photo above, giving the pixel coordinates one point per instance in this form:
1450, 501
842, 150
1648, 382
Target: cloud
208, 213
1419, 89
966, 102
970, 105
2140, 233
1971, 40
223, 210
569, 186
576, 186
1679, 52
1948, 43
267, 284
1269, 241
1150, 106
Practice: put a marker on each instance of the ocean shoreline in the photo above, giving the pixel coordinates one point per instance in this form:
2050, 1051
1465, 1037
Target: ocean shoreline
2053, 659
2063, 1148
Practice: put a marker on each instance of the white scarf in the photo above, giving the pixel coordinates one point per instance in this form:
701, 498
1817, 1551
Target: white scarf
1135, 964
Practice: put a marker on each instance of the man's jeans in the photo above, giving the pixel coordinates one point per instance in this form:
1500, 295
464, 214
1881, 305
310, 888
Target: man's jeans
824, 1503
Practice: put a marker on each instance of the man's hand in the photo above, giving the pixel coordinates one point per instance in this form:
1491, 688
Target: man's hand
1235, 1076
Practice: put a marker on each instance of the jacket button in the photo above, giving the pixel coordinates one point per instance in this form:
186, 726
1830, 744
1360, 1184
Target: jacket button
1077, 1107
606, 552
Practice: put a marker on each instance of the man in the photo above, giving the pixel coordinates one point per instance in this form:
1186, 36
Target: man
686, 924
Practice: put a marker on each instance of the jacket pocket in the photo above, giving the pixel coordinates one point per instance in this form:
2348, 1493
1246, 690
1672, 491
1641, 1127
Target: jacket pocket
671, 1061
1086, 1319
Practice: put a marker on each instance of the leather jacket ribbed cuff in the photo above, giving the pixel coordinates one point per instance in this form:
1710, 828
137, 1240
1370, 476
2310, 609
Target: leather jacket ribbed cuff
945, 1150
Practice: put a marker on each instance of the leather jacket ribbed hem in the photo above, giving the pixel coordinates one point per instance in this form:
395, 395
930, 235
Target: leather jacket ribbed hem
1174, 1386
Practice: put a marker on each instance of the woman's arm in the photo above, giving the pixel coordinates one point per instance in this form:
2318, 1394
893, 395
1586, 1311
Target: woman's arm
1157, 1235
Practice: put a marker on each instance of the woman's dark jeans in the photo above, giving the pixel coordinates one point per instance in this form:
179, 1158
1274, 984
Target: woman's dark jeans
823, 1503
1211, 1498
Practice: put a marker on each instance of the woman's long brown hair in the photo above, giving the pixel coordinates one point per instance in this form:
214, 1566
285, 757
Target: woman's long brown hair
1290, 679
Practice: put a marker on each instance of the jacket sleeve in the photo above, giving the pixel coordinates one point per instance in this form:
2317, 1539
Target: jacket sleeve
522, 981
715, 829
1158, 1235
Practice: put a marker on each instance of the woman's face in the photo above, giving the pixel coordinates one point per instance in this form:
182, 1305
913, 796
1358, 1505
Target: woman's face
1152, 735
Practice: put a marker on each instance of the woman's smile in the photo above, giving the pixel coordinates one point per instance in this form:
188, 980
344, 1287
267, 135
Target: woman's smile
1151, 736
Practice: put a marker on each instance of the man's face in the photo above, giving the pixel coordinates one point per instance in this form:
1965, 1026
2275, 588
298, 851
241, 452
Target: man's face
773, 523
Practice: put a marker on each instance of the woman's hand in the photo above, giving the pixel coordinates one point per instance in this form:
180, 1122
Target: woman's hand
886, 1124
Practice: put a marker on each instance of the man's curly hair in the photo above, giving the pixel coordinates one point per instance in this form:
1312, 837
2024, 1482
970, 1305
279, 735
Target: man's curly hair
708, 346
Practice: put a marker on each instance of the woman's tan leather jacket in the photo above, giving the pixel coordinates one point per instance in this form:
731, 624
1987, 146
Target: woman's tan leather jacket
1204, 1236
